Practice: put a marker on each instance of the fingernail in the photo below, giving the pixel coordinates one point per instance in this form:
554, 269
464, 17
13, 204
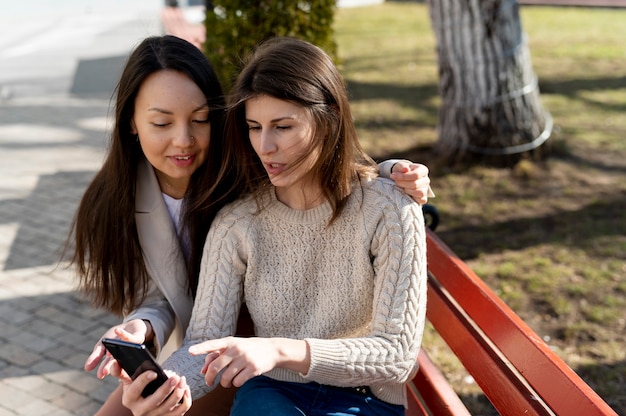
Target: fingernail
151, 375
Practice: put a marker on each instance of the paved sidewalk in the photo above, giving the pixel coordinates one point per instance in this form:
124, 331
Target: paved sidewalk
56, 80
49, 150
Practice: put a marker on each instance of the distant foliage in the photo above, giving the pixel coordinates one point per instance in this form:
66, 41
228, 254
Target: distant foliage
235, 27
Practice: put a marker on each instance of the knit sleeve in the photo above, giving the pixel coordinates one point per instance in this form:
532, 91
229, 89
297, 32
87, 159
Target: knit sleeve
218, 299
389, 352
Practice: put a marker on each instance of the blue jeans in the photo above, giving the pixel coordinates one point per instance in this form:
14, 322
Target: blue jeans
265, 396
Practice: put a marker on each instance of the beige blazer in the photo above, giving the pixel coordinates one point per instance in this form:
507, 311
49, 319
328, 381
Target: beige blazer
167, 304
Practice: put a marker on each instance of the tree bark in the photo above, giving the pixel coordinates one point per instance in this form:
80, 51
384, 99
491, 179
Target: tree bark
490, 97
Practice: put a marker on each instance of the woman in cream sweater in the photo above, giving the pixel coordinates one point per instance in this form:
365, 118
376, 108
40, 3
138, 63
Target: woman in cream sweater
329, 259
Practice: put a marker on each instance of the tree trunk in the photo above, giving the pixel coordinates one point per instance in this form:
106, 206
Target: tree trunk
490, 97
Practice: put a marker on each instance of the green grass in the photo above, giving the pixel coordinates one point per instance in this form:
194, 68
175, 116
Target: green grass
549, 237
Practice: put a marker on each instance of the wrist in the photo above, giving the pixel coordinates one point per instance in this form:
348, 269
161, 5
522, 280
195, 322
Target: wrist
149, 335
293, 354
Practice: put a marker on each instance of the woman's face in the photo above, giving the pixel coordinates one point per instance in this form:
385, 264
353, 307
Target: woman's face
172, 120
281, 134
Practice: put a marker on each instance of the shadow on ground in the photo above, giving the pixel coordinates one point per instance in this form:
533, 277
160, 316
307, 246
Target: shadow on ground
44, 218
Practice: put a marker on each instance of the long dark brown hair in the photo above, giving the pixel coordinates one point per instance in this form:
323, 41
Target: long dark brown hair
297, 71
107, 252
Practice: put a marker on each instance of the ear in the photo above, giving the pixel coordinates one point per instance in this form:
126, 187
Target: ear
133, 129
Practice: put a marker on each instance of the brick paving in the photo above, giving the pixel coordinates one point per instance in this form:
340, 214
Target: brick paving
51, 143
46, 330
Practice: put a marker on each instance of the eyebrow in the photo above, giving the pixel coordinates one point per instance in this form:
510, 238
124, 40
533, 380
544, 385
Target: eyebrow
276, 120
164, 111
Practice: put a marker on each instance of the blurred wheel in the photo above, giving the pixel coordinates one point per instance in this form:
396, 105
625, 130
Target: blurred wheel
431, 216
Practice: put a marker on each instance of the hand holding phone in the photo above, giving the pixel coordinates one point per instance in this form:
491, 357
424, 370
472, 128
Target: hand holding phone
135, 359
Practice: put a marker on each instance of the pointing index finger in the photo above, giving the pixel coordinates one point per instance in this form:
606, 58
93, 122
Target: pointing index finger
206, 347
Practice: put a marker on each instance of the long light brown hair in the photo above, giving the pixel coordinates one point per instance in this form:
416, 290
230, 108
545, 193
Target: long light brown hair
297, 71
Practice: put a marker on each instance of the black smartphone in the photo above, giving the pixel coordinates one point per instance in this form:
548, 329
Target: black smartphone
135, 359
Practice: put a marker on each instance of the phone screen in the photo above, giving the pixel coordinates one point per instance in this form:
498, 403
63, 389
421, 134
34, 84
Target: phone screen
135, 359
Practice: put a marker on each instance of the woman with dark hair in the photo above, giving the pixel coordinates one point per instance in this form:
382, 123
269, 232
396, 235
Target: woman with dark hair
140, 226
142, 222
329, 258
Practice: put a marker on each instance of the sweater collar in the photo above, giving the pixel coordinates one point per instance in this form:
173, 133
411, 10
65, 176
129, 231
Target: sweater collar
321, 212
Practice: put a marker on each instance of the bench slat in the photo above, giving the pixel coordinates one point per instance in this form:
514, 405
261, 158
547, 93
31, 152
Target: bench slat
416, 407
496, 377
434, 390
559, 386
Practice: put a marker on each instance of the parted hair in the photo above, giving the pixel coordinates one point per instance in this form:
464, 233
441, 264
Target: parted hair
297, 71
107, 252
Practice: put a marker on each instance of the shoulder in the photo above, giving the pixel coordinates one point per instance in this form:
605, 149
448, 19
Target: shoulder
382, 198
242, 208
231, 224
385, 191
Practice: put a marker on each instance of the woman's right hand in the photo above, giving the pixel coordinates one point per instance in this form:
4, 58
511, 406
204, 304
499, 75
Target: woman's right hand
173, 398
135, 330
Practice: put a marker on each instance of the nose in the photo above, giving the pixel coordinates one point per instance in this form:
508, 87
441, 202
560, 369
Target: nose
267, 144
183, 137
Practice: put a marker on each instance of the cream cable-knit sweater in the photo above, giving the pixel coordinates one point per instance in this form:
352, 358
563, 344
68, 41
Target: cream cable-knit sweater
355, 291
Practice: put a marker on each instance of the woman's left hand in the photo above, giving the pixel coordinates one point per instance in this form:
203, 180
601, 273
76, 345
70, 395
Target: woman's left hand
132, 331
173, 398
413, 179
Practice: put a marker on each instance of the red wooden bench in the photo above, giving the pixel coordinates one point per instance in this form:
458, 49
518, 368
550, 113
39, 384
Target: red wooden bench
517, 371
